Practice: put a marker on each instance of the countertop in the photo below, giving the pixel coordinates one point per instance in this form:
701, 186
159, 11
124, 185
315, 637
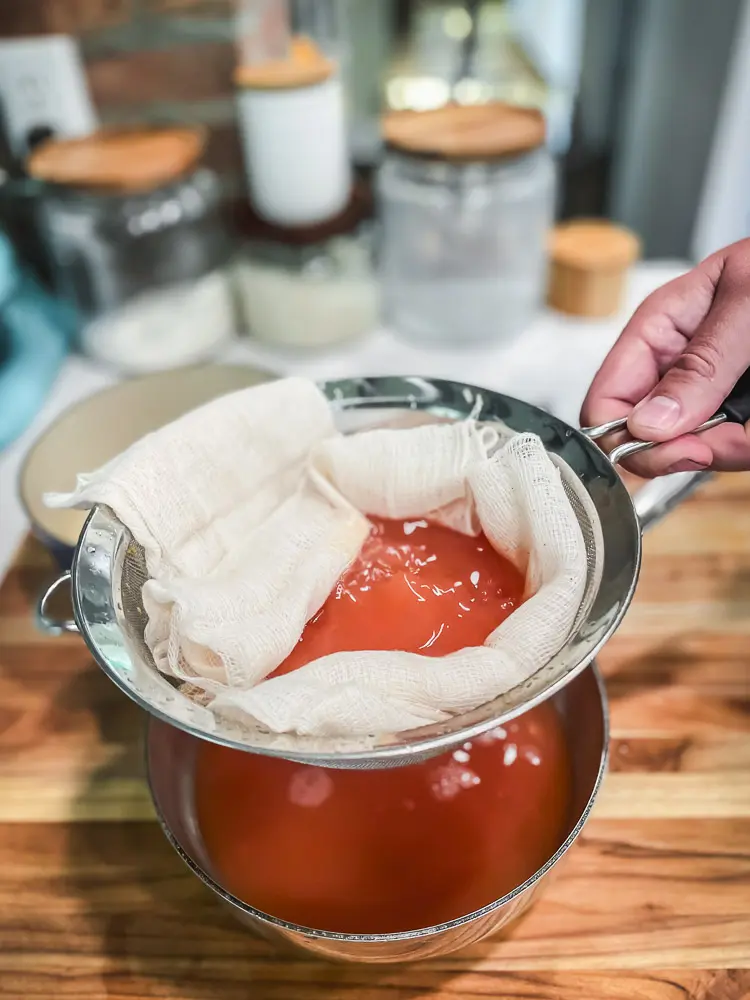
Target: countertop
551, 364
652, 902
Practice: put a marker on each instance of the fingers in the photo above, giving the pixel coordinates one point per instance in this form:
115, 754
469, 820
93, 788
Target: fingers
704, 373
656, 335
730, 445
674, 365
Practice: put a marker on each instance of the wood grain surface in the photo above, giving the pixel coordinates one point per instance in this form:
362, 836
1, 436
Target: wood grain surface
653, 903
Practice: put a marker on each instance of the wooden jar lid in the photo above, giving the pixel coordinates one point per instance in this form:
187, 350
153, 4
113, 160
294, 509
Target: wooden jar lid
305, 66
594, 244
250, 226
465, 132
122, 160
589, 261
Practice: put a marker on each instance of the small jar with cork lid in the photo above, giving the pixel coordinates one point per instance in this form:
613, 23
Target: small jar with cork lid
590, 259
467, 201
138, 245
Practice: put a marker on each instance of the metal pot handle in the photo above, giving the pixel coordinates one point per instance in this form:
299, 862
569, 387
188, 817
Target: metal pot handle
46, 622
658, 497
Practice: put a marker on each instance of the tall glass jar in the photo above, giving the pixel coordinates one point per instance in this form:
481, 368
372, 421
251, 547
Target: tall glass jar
467, 201
138, 247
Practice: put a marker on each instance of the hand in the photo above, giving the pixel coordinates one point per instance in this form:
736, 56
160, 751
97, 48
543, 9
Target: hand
675, 363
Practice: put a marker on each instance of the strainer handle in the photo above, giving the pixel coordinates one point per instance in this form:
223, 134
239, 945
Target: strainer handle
735, 409
630, 448
48, 623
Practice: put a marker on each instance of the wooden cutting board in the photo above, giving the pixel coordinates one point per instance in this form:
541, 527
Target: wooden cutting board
653, 903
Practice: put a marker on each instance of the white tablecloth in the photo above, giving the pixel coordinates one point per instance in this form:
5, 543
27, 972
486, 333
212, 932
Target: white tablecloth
551, 365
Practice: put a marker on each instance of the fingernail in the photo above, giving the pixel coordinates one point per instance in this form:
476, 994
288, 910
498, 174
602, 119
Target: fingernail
658, 414
686, 465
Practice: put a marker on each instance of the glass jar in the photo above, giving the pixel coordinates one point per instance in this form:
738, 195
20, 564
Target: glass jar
308, 297
463, 256
308, 288
144, 270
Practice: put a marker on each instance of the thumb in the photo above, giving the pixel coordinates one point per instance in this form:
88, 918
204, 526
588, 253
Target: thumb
701, 377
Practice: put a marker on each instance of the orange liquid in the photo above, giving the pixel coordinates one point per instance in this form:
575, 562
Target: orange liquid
383, 851
416, 587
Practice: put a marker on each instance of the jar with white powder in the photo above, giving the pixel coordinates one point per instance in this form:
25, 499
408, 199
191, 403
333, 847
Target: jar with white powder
308, 288
138, 245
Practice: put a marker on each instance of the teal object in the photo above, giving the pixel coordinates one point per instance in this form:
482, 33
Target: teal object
35, 335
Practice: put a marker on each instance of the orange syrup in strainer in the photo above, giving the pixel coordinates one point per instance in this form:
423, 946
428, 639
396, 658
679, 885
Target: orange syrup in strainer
414, 586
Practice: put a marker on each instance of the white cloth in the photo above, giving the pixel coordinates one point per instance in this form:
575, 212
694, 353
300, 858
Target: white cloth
250, 508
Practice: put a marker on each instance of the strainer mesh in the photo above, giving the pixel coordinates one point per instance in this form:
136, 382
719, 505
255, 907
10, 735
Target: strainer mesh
134, 618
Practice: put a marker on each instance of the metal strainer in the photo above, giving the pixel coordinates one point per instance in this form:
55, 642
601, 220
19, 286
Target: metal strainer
109, 571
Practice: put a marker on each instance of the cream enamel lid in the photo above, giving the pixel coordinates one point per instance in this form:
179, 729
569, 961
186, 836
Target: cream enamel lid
99, 427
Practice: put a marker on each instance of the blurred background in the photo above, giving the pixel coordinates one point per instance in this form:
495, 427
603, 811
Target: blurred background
481, 190
635, 90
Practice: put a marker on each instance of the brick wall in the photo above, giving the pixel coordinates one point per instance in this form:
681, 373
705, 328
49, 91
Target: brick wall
155, 61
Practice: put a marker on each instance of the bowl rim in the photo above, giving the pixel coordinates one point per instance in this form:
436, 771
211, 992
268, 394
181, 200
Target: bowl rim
418, 933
